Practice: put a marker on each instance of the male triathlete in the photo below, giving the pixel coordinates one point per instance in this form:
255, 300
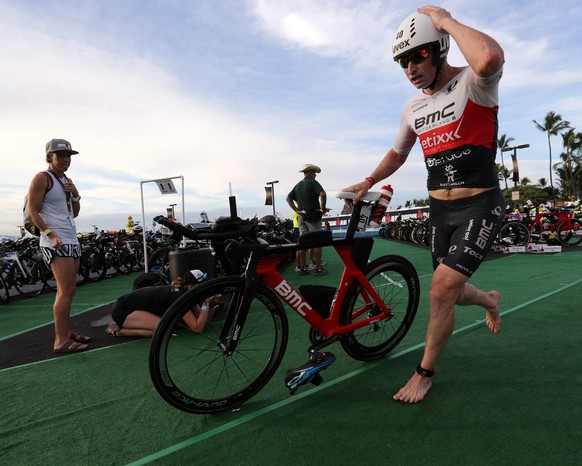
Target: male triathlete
455, 118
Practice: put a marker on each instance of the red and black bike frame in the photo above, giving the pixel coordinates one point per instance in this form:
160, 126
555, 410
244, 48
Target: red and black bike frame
262, 268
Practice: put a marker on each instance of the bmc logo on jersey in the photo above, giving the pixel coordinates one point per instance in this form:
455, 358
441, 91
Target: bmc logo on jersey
432, 119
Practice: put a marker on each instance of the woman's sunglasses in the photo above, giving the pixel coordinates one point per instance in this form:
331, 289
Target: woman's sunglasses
416, 57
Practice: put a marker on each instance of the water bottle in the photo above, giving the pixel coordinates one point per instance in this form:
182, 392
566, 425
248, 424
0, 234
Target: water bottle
386, 195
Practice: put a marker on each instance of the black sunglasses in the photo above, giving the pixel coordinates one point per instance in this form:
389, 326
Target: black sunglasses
416, 57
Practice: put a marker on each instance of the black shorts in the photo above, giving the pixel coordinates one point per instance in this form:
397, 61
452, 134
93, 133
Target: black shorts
463, 230
119, 313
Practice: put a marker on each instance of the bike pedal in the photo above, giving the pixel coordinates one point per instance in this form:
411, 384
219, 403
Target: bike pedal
308, 372
316, 380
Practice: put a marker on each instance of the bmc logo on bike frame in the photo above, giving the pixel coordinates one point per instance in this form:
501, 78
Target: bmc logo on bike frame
291, 297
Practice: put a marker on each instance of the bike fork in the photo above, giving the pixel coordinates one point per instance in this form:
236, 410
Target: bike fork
238, 311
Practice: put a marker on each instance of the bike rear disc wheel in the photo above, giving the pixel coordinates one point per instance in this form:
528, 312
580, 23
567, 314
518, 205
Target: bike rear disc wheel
194, 372
570, 234
396, 282
513, 234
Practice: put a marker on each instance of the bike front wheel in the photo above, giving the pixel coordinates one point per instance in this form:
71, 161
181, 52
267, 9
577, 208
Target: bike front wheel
195, 372
396, 282
93, 265
32, 281
159, 261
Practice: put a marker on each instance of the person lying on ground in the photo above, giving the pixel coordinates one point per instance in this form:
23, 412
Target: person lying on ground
137, 314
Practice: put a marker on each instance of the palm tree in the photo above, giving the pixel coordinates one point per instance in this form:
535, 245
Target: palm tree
503, 173
525, 181
553, 125
565, 175
542, 182
567, 168
502, 143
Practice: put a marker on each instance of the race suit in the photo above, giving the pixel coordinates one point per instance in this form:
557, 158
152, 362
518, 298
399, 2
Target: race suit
457, 129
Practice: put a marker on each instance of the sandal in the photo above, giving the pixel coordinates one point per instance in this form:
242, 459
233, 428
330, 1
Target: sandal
113, 329
71, 346
79, 338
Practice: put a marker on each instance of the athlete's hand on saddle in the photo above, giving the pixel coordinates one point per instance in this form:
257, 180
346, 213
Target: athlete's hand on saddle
360, 189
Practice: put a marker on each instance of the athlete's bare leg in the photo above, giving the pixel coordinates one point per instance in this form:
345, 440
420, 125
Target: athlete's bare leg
489, 300
448, 288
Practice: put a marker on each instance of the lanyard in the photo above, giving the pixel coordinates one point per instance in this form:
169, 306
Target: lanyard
67, 193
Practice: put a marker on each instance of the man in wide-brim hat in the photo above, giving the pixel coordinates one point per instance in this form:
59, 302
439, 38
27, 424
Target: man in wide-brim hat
308, 199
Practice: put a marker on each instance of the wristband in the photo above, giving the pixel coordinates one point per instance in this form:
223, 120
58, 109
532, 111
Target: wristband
370, 180
204, 308
76, 199
48, 231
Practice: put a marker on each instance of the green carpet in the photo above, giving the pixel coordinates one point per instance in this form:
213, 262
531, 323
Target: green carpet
501, 399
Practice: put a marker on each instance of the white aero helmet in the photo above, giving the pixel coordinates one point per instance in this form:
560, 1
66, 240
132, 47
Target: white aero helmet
418, 31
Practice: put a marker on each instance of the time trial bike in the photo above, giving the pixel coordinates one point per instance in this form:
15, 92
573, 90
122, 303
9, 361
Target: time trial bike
369, 313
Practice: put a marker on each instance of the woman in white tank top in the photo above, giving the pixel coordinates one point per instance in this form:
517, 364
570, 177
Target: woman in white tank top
54, 202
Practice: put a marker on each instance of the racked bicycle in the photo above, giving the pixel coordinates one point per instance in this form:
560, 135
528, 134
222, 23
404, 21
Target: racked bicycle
369, 314
22, 267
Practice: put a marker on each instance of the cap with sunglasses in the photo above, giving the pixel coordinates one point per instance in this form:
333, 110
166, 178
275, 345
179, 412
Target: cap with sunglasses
418, 33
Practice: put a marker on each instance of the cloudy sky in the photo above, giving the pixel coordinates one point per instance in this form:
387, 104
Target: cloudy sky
230, 94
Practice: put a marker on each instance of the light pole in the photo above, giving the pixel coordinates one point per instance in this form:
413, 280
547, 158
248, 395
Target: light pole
515, 197
272, 183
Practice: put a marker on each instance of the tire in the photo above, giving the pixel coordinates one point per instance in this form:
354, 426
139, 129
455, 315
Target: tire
33, 284
51, 282
93, 264
4, 292
112, 263
396, 282
139, 256
513, 234
159, 261
193, 373
570, 235
390, 231
127, 262
82, 274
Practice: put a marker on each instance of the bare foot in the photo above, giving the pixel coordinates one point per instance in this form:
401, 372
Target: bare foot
113, 329
492, 317
415, 389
